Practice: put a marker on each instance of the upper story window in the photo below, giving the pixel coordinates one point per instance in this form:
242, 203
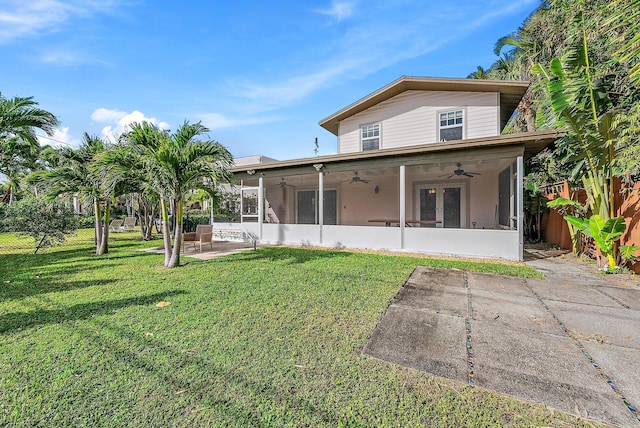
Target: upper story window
451, 124
370, 136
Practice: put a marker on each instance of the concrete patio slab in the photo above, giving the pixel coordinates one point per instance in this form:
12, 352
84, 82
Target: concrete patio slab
499, 286
430, 342
544, 369
630, 297
426, 278
570, 342
217, 249
622, 366
576, 292
618, 326
452, 301
522, 312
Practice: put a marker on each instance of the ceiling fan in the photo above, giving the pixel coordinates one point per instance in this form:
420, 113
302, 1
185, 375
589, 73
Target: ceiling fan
283, 183
459, 172
356, 178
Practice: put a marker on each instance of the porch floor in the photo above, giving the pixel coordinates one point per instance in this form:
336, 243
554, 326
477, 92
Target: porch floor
570, 342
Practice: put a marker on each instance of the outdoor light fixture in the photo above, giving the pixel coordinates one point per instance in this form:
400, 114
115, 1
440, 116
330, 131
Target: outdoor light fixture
251, 171
318, 166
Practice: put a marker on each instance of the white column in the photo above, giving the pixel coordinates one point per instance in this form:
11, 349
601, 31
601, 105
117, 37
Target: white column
520, 200
241, 201
320, 198
260, 206
403, 196
320, 202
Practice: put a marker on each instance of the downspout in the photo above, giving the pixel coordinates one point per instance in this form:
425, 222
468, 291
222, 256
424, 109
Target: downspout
403, 197
520, 202
320, 202
260, 206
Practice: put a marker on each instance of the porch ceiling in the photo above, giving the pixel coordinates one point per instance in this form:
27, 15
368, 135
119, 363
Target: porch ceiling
444, 154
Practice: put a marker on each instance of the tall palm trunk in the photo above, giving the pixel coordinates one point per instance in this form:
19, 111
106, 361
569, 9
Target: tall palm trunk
104, 239
166, 233
97, 214
177, 237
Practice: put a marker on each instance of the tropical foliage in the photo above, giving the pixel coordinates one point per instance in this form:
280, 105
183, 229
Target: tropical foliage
173, 165
582, 59
19, 147
47, 222
76, 173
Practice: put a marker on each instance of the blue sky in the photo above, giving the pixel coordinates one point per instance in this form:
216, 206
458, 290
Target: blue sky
259, 74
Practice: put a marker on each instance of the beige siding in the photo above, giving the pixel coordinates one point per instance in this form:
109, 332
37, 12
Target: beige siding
411, 118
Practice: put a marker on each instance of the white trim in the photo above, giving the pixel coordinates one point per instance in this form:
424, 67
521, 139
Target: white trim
452, 110
403, 202
261, 198
379, 136
520, 196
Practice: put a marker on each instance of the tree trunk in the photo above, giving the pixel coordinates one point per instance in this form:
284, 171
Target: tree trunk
104, 242
145, 218
166, 233
526, 110
97, 214
177, 241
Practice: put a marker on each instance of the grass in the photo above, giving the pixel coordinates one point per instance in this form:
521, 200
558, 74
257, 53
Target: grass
265, 338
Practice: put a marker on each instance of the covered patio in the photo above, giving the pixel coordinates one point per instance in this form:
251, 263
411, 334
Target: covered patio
461, 198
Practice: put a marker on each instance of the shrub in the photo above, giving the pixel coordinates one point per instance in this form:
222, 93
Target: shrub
48, 222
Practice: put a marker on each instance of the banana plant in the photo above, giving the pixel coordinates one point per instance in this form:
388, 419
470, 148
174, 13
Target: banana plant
604, 233
581, 104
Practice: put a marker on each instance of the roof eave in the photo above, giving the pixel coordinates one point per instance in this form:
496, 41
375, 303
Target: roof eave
533, 143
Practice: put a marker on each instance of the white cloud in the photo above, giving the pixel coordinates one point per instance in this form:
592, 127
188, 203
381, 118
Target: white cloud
339, 10
118, 121
106, 115
20, 18
60, 138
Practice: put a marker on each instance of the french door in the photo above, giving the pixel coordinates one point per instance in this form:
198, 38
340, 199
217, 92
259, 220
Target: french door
308, 207
442, 205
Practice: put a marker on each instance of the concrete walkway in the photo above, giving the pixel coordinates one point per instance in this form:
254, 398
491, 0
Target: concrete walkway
571, 342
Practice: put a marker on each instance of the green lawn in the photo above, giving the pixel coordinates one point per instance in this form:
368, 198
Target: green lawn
265, 338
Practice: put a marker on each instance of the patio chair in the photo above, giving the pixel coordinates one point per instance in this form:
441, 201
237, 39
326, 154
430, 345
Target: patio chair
116, 225
129, 223
202, 235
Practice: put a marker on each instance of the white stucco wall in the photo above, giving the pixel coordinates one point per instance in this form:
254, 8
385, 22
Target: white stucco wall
500, 244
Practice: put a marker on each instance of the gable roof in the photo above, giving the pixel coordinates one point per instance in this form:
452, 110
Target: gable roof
511, 93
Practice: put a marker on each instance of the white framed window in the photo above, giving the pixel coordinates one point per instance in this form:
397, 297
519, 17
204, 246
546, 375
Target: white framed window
451, 125
370, 136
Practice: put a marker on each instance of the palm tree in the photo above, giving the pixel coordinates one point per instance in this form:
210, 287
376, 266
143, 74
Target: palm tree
480, 73
76, 173
174, 165
126, 171
19, 146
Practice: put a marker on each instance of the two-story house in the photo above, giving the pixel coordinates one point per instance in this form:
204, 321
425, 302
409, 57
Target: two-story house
421, 167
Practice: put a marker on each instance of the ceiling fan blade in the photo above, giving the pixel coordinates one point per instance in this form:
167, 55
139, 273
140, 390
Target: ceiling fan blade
466, 174
450, 176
